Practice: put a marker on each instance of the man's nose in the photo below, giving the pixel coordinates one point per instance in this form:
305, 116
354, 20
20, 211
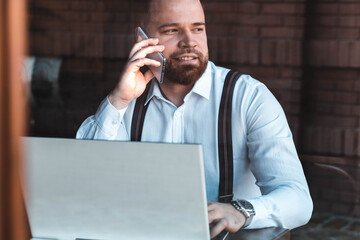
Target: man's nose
187, 40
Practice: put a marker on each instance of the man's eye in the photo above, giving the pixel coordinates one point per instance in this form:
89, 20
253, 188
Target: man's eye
170, 31
198, 30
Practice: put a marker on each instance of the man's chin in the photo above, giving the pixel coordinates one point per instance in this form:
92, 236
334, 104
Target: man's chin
185, 73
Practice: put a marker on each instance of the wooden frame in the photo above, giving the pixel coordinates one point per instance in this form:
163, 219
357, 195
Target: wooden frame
13, 221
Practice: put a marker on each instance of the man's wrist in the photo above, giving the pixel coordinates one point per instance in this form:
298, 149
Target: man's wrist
117, 102
246, 209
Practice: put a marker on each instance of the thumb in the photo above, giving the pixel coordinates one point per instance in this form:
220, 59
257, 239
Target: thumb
148, 76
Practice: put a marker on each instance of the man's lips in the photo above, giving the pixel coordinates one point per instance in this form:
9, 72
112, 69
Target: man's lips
187, 57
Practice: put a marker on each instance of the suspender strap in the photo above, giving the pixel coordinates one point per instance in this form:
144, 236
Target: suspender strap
224, 133
139, 115
225, 149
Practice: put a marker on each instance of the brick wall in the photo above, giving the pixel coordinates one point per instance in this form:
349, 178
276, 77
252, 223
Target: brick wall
263, 39
331, 111
306, 52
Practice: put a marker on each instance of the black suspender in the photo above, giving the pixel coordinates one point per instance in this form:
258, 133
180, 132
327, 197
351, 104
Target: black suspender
225, 148
139, 115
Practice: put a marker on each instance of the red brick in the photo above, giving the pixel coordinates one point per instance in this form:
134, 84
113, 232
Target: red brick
283, 52
343, 110
278, 84
297, 85
291, 72
336, 74
222, 18
247, 31
324, 96
336, 144
118, 28
344, 85
349, 21
260, 72
341, 208
347, 197
297, 21
347, 122
219, 6
281, 32
261, 20
351, 9
355, 111
86, 5
282, 8
117, 6
344, 53
41, 44
346, 97
323, 8
322, 108
322, 206
213, 48
349, 140
334, 33
354, 51
291, 96
325, 21
248, 8
317, 52
56, 5
87, 45
357, 85
247, 51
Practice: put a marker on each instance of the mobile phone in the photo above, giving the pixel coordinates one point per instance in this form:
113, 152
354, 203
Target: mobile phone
157, 71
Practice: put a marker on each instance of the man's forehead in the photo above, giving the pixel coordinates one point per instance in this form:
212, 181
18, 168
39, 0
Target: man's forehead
156, 4
175, 11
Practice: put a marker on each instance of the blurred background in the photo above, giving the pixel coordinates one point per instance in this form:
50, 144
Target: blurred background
307, 52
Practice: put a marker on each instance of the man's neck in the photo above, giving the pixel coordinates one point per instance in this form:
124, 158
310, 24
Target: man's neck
174, 92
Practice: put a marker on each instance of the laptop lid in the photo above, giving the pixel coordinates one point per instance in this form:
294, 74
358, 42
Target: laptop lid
90, 189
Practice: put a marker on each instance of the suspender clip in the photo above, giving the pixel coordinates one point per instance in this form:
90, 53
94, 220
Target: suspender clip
226, 198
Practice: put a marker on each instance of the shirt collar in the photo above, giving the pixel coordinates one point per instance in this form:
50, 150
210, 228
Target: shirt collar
202, 86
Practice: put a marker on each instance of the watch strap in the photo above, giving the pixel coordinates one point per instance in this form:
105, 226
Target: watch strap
245, 208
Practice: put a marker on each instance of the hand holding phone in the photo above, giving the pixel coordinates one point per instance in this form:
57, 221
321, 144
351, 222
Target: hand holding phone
157, 71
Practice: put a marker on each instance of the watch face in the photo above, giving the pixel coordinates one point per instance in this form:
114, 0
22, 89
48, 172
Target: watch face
248, 207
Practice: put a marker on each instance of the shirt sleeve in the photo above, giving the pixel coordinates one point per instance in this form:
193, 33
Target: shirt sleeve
106, 124
285, 200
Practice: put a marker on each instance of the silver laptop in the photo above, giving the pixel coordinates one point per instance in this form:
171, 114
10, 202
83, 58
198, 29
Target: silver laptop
85, 189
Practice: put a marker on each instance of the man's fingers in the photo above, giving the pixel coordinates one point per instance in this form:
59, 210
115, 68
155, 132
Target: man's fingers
217, 228
213, 215
212, 205
136, 64
142, 44
143, 52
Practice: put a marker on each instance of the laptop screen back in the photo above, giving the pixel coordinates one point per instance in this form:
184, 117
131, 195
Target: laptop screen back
115, 190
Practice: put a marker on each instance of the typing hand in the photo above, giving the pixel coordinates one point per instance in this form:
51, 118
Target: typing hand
133, 82
224, 216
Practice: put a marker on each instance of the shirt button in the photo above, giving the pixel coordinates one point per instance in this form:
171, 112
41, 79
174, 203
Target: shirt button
114, 122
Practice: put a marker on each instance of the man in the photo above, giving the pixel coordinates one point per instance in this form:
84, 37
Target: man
184, 109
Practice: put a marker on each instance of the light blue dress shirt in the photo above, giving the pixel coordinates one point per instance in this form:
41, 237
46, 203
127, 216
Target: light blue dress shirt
267, 171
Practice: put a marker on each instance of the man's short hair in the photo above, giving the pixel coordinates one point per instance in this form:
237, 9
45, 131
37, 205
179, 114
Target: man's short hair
146, 14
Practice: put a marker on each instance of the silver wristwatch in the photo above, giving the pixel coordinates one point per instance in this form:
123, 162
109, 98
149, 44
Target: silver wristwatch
245, 208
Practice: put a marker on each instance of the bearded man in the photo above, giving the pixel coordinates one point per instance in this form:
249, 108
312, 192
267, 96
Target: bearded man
269, 184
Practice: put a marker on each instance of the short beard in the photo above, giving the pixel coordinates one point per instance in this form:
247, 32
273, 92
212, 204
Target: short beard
185, 74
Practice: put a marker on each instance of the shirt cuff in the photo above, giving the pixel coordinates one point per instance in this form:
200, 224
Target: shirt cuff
261, 213
108, 118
